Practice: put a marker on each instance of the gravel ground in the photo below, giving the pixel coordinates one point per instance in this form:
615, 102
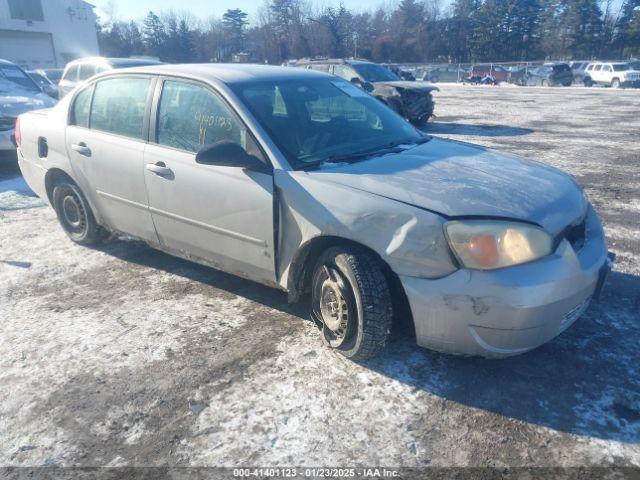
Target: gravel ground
126, 356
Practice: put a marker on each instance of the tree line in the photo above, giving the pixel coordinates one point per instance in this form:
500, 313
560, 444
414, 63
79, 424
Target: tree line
410, 31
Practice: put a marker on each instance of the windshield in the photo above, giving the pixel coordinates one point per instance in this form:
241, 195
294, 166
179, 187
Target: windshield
15, 75
621, 67
375, 73
319, 120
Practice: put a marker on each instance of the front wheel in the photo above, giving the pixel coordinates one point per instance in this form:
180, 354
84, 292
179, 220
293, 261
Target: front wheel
351, 302
615, 83
75, 215
588, 82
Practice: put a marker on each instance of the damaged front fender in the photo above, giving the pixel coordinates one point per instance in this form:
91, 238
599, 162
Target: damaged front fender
409, 239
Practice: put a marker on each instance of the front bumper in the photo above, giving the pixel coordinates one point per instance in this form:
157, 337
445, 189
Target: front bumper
509, 311
630, 84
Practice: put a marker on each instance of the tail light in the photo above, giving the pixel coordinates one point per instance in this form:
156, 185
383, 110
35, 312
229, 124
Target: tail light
17, 134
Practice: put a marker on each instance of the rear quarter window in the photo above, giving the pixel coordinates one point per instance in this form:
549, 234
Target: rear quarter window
80, 109
71, 74
87, 70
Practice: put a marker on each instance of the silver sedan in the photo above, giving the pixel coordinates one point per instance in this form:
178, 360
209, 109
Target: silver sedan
303, 181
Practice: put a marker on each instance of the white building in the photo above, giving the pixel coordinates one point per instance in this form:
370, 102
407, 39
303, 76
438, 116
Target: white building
46, 33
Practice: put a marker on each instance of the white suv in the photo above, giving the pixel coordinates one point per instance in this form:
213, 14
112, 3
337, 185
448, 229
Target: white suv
615, 75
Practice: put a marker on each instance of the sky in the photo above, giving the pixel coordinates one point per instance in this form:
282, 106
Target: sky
137, 9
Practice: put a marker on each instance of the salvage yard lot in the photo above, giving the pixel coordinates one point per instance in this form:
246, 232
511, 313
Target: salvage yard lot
126, 356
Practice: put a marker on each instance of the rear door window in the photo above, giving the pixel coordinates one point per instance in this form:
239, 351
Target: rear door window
119, 106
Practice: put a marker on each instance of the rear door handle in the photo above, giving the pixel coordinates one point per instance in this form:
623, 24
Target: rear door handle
159, 168
81, 148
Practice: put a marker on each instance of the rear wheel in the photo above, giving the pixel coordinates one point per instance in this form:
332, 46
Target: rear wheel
544, 83
75, 215
351, 302
588, 82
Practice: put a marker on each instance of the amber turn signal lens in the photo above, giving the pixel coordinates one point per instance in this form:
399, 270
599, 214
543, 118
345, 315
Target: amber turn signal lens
484, 250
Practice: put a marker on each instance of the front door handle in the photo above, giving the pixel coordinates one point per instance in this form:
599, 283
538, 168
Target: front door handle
159, 168
81, 148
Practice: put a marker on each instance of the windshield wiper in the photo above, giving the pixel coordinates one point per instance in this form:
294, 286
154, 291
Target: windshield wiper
391, 147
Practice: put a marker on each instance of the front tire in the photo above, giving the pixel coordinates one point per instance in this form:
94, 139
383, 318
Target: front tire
615, 83
351, 302
75, 215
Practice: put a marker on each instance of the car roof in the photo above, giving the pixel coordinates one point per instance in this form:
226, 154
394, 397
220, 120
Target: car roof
349, 61
117, 61
6, 62
229, 73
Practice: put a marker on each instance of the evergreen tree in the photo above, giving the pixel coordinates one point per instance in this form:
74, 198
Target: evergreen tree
185, 43
337, 21
462, 28
409, 31
627, 37
154, 35
584, 25
235, 22
133, 39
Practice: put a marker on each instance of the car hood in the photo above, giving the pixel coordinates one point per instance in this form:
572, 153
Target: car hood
407, 85
16, 101
459, 180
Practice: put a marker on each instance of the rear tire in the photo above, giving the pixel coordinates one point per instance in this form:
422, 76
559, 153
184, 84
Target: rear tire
351, 302
544, 83
75, 215
588, 82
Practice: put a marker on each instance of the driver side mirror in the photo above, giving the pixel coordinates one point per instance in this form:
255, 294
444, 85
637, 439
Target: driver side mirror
230, 154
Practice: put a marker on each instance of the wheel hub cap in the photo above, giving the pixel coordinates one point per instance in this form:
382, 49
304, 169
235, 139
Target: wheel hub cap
333, 306
72, 211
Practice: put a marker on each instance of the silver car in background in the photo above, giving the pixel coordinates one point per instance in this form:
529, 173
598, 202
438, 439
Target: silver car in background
79, 70
302, 181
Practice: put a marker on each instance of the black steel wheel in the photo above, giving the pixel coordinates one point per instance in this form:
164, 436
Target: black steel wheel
75, 215
351, 302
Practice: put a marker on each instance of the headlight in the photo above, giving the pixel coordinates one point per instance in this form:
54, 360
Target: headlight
488, 244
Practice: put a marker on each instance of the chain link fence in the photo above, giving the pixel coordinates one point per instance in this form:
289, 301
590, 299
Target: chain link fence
511, 72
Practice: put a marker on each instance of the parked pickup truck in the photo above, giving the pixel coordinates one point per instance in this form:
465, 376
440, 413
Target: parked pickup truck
302, 181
